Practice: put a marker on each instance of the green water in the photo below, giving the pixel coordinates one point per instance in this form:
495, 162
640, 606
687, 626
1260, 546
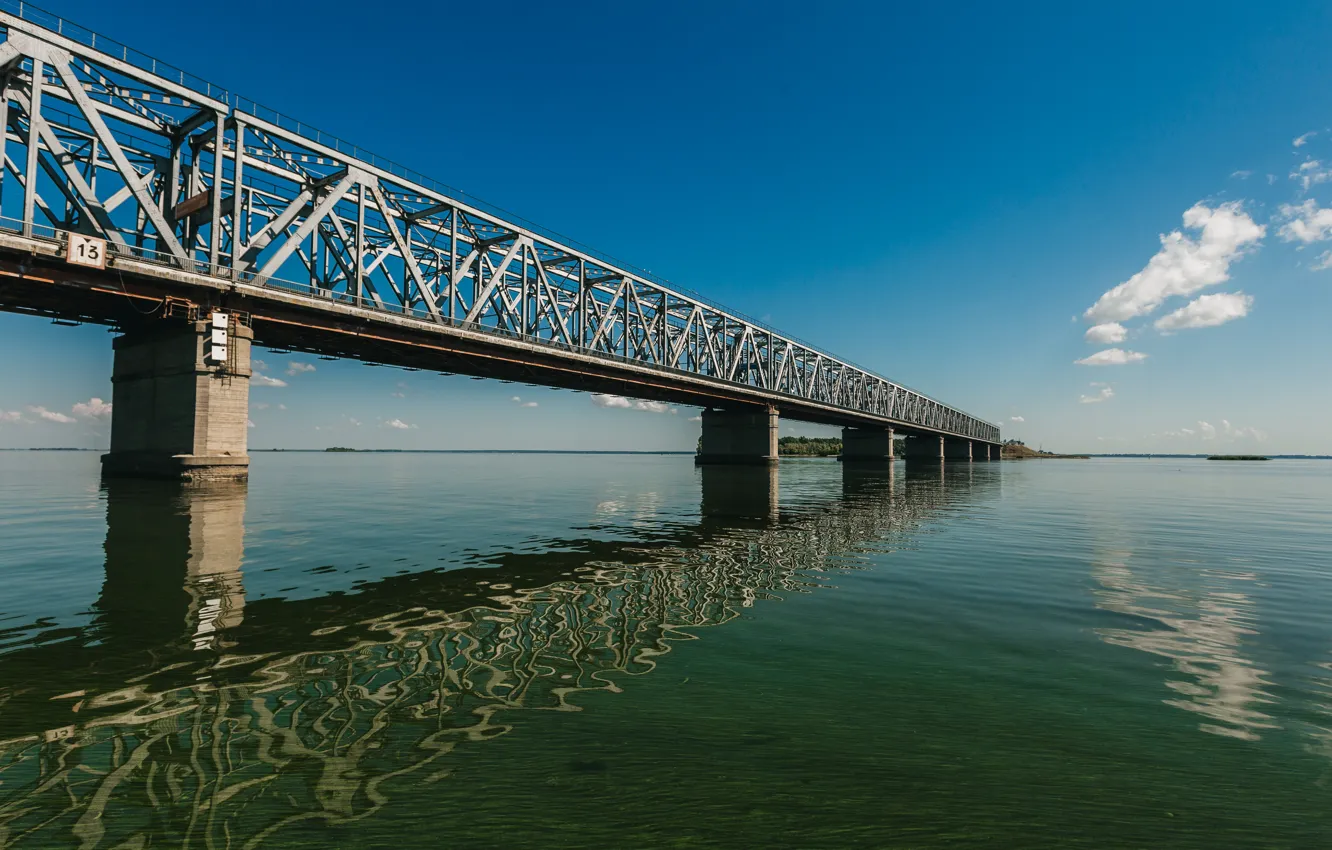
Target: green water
488, 650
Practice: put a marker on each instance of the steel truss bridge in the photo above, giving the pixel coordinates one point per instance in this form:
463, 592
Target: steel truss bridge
205, 197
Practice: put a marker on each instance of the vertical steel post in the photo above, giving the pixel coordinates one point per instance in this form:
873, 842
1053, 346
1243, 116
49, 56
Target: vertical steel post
215, 230
315, 282
582, 303
522, 296
663, 338
94, 155
4, 128
30, 170
173, 176
360, 246
238, 225
453, 260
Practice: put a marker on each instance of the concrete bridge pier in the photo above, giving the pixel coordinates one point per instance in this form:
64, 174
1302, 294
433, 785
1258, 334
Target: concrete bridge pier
957, 449
738, 436
177, 412
924, 449
867, 445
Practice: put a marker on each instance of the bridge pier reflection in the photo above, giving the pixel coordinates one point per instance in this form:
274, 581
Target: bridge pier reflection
173, 562
868, 480
740, 492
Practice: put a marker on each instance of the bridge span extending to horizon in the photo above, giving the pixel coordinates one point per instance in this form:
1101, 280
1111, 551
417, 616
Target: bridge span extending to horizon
197, 223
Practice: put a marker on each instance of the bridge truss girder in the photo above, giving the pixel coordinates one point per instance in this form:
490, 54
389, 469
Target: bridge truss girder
170, 172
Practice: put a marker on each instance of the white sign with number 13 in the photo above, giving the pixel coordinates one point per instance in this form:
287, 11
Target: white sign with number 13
86, 251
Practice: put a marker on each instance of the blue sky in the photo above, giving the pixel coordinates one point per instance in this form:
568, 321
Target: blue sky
948, 195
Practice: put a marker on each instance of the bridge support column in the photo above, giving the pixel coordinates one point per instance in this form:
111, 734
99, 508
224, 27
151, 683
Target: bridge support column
867, 445
738, 436
925, 449
174, 413
957, 449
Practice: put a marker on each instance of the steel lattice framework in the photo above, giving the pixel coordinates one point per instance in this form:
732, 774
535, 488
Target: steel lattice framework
169, 169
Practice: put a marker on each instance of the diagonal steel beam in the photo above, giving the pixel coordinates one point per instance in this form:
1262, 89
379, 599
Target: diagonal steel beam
92, 114
408, 260
307, 227
484, 296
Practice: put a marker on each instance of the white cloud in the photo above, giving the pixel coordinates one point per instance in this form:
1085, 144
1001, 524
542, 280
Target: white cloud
528, 404
1242, 174
263, 405
51, 415
282, 407
258, 365
1324, 261
93, 408
1105, 394
1207, 311
1305, 222
698, 418
398, 395
1311, 172
1183, 265
1300, 141
249, 423
296, 367
1233, 433
258, 380
1106, 334
398, 424
1111, 357
355, 423
515, 399
1017, 419
1227, 433
10, 416
629, 404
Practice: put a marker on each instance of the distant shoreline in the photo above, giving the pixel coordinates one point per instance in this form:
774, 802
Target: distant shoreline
1142, 455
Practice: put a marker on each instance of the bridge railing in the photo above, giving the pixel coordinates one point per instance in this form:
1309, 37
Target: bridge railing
111, 47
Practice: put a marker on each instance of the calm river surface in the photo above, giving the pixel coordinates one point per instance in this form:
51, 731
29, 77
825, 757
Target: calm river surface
508, 650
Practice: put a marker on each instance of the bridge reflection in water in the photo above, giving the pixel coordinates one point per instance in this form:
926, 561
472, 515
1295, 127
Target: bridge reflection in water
185, 715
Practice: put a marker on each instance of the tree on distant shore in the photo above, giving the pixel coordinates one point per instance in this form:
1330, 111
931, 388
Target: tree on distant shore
809, 446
